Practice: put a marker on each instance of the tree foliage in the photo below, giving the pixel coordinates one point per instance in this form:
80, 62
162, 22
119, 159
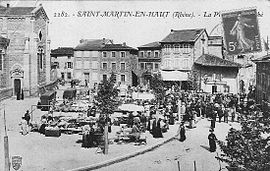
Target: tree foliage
157, 85
249, 147
106, 99
193, 80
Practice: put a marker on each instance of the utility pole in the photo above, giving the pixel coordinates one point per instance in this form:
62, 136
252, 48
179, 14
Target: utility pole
6, 145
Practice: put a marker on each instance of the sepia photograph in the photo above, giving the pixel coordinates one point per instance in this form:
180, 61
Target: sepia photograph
132, 85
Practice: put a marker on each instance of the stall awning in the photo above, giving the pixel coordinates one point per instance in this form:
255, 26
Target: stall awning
174, 76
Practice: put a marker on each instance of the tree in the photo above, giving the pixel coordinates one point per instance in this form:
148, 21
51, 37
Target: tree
248, 148
106, 99
157, 85
106, 102
193, 80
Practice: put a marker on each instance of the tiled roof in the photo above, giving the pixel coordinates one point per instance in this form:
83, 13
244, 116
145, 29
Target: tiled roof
117, 47
188, 35
153, 44
62, 51
90, 44
16, 10
214, 37
211, 60
262, 59
99, 45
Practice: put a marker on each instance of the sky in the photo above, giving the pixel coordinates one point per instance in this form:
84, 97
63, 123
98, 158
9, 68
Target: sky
138, 30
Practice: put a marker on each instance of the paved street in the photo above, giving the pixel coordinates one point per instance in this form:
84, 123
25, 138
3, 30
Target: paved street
50, 153
166, 157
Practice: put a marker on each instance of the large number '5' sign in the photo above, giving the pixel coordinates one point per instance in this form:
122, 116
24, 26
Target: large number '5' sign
232, 46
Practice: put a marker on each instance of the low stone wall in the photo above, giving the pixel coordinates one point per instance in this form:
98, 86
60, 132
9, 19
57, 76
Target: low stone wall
5, 93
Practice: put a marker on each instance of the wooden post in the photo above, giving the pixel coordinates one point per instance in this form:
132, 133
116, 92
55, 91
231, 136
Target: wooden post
195, 168
178, 163
6, 149
6, 146
106, 145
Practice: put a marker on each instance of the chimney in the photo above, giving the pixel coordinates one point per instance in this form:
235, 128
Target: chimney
8, 5
124, 44
103, 41
81, 41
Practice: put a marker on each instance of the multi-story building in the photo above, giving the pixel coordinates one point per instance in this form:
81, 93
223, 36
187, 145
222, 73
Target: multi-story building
179, 51
192, 56
5, 86
262, 91
28, 51
149, 59
62, 60
95, 60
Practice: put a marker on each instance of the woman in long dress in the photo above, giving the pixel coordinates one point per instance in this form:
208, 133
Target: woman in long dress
212, 141
182, 133
239, 30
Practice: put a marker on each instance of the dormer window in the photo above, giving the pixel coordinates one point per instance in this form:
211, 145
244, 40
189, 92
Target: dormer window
177, 48
148, 53
104, 54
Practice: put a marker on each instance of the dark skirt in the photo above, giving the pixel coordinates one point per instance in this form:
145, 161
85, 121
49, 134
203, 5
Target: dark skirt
212, 145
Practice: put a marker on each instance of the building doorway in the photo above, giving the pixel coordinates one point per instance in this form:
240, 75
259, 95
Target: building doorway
214, 89
17, 86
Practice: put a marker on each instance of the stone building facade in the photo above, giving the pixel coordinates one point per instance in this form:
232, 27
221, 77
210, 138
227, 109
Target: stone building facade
191, 55
262, 91
95, 60
180, 49
62, 60
5, 86
149, 60
29, 48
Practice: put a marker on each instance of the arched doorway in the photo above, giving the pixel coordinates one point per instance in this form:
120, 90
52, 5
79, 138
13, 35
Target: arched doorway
17, 86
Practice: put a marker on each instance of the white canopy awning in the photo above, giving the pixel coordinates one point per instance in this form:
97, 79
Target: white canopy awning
174, 76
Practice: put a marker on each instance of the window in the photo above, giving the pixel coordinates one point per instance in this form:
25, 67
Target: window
123, 78
185, 64
104, 77
70, 65
156, 66
86, 65
123, 67
95, 76
1, 61
104, 66
156, 54
113, 54
186, 48
167, 48
57, 64
141, 54
69, 75
148, 53
113, 66
94, 64
62, 75
69, 57
123, 54
142, 66
78, 64
104, 54
40, 58
149, 66
176, 48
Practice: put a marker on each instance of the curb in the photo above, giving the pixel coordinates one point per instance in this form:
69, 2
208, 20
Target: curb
125, 157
